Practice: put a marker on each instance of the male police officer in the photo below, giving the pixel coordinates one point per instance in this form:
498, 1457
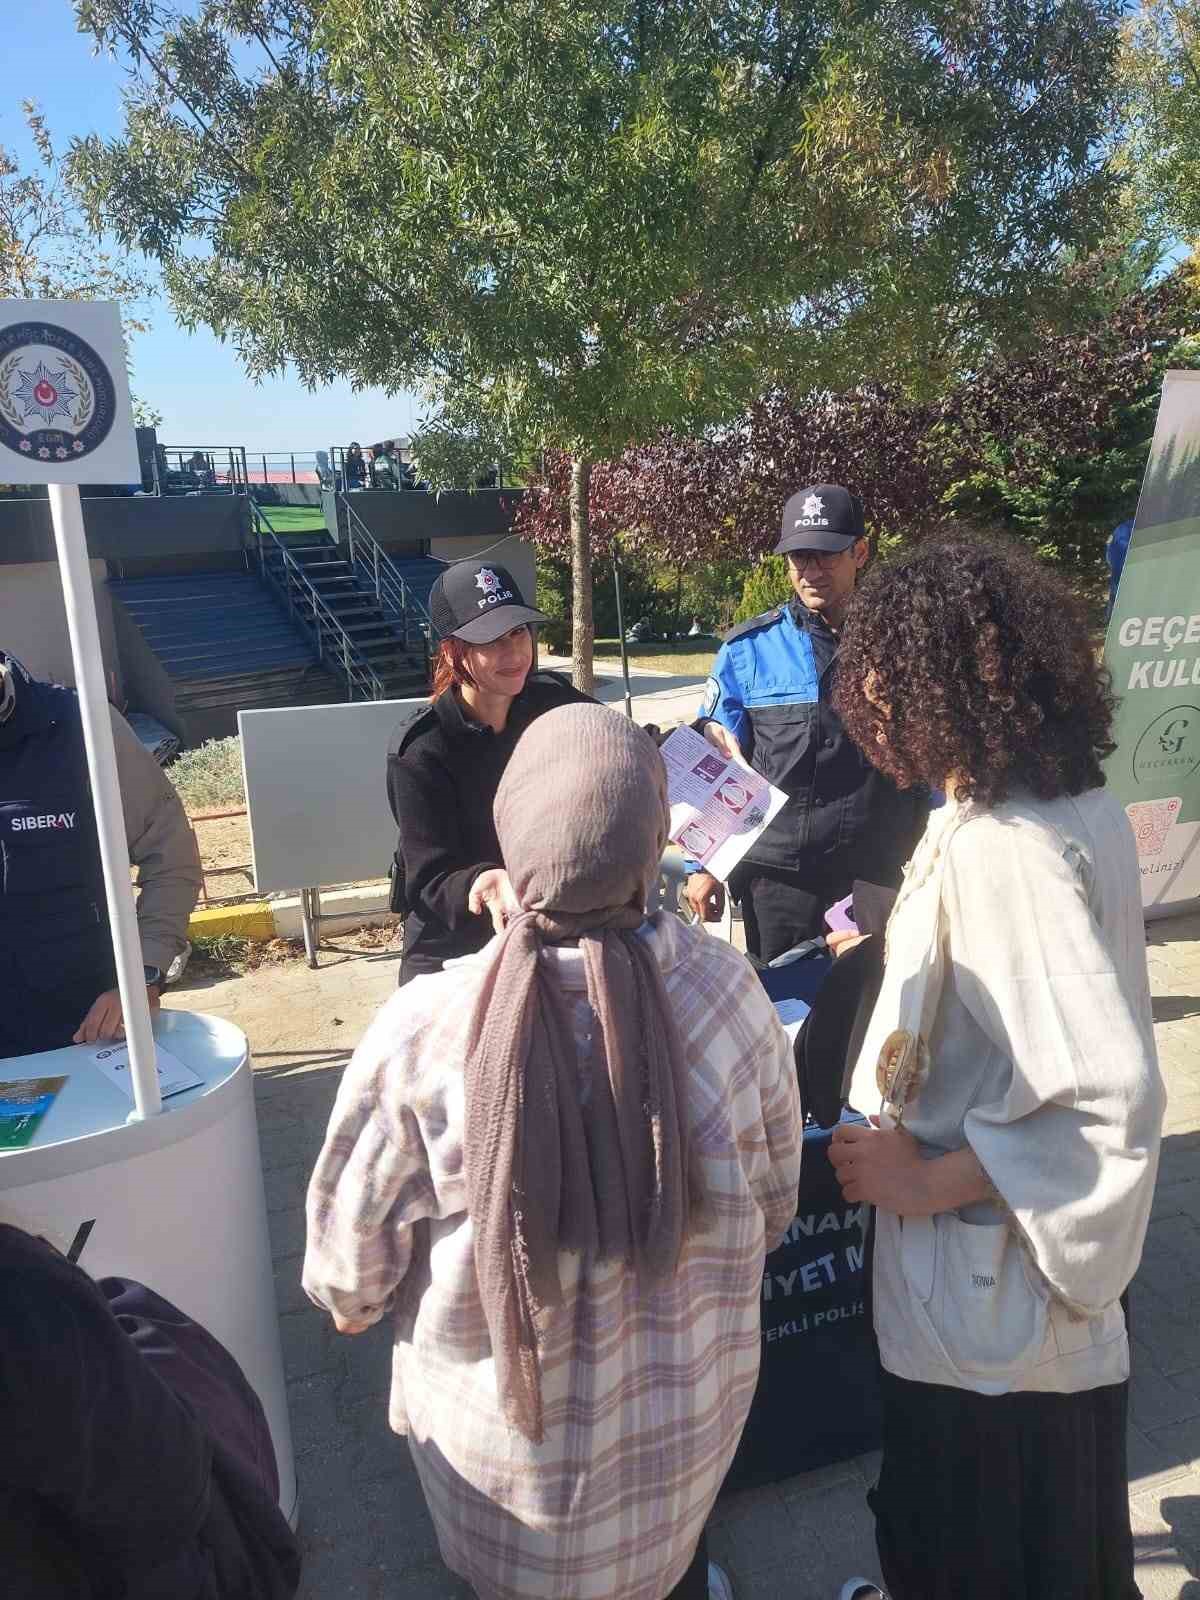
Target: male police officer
57, 977
770, 692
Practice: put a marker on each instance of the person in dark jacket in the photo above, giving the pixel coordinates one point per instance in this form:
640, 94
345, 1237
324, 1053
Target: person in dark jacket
445, 764
769, 702
136, 1461
57, 975
354, 467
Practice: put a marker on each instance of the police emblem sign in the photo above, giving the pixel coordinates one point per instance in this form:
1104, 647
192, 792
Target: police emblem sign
65, 415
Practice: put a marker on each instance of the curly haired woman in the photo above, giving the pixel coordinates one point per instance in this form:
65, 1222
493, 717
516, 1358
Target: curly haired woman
1010, 1061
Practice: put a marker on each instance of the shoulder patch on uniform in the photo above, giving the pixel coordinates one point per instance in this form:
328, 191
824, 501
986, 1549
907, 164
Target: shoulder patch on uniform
712, 693
417, 722
763, 620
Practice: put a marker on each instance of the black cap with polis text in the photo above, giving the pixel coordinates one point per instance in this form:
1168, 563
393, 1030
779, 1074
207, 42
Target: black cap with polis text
477, 601
825, 517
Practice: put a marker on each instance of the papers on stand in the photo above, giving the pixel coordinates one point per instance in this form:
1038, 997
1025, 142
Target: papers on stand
718, 807
173, 1076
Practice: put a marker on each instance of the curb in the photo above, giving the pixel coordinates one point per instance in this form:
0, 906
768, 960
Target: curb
342, 910
253, 920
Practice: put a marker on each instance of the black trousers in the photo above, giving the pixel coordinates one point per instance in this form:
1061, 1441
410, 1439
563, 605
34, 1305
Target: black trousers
781, 909
1003, 1497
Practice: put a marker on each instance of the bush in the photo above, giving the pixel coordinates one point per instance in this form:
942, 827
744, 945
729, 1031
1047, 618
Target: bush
210, 775
555, 636
766, 586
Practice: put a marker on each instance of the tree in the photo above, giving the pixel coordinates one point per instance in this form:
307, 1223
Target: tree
1051, 443
46, 250
1159, 149
574, 223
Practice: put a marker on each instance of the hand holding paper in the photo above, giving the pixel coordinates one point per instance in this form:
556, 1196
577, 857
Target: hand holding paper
718, 806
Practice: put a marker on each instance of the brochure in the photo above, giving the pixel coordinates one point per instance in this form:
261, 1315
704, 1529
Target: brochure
718, 807
173, 1076
23, 1104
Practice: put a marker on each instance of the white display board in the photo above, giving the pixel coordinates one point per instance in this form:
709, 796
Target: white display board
65, 415
316, 792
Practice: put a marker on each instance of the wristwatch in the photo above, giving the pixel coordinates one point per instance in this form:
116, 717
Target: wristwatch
153, 976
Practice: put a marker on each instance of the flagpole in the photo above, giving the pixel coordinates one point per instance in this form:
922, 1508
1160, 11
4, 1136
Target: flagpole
80, 602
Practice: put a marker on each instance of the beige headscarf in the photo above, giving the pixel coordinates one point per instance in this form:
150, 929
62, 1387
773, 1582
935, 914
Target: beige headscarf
581, 815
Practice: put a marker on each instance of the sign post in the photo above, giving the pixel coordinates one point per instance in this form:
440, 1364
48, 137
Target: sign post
1153, 653
65, 419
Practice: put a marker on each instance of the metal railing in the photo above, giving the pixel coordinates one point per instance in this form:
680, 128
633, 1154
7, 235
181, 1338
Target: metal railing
199, 469
394, 595
335, 647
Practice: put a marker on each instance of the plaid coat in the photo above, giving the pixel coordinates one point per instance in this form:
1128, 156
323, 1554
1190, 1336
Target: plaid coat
645, 1393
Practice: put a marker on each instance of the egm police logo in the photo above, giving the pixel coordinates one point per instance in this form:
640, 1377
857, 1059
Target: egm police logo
57, 400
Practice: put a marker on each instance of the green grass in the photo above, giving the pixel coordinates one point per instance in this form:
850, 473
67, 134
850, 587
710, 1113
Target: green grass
294, 519
682, 657
210, 776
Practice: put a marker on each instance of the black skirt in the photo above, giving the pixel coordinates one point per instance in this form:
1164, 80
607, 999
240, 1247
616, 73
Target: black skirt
1004, 1497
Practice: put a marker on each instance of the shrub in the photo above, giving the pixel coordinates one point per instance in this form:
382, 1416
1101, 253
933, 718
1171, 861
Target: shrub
210, 775
766, 586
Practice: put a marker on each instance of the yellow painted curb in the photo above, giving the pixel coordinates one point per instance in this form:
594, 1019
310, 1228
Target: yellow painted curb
250, 921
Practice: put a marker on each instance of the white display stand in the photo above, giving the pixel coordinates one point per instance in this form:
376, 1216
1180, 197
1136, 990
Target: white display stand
176, 1200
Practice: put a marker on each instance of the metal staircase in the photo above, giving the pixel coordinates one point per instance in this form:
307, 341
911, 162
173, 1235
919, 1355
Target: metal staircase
401, 588
362, 618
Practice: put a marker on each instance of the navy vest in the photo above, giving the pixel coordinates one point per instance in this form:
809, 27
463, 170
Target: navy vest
53, 914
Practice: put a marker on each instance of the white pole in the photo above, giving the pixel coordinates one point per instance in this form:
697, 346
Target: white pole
80, 602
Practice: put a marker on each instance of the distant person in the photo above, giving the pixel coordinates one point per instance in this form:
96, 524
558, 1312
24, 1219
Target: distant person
201, 469
1115, 552
137, 1463
354, 467
557, 1167
1013, 1039
384, 467
57, 974
444, 764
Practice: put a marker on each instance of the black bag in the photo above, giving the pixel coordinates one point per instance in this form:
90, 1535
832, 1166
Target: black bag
397, 893
827, 1045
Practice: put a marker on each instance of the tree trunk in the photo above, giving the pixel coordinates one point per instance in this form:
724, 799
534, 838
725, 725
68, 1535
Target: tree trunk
583, 631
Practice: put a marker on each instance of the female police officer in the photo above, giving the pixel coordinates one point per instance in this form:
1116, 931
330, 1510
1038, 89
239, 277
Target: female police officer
445, 764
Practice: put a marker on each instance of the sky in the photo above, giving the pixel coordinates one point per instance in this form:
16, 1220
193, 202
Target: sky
196, 382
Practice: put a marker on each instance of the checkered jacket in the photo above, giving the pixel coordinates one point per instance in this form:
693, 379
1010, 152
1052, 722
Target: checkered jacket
645, 1393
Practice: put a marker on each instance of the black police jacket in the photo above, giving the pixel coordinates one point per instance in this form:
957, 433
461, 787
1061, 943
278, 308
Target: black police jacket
53, 913
771, 686
443, 771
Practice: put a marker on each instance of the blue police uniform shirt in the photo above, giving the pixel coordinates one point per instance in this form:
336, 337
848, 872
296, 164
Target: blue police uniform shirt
770, 686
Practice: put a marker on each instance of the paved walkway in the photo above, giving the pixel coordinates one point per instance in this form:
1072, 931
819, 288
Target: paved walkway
663, 697
366, 1532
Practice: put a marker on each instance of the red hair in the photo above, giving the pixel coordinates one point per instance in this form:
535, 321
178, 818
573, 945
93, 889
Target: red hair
450, 666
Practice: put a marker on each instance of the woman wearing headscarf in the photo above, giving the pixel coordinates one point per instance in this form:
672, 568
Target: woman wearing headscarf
1011, 1069
557, 1165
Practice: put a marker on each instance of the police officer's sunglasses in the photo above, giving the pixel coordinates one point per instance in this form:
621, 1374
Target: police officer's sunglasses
823, 558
